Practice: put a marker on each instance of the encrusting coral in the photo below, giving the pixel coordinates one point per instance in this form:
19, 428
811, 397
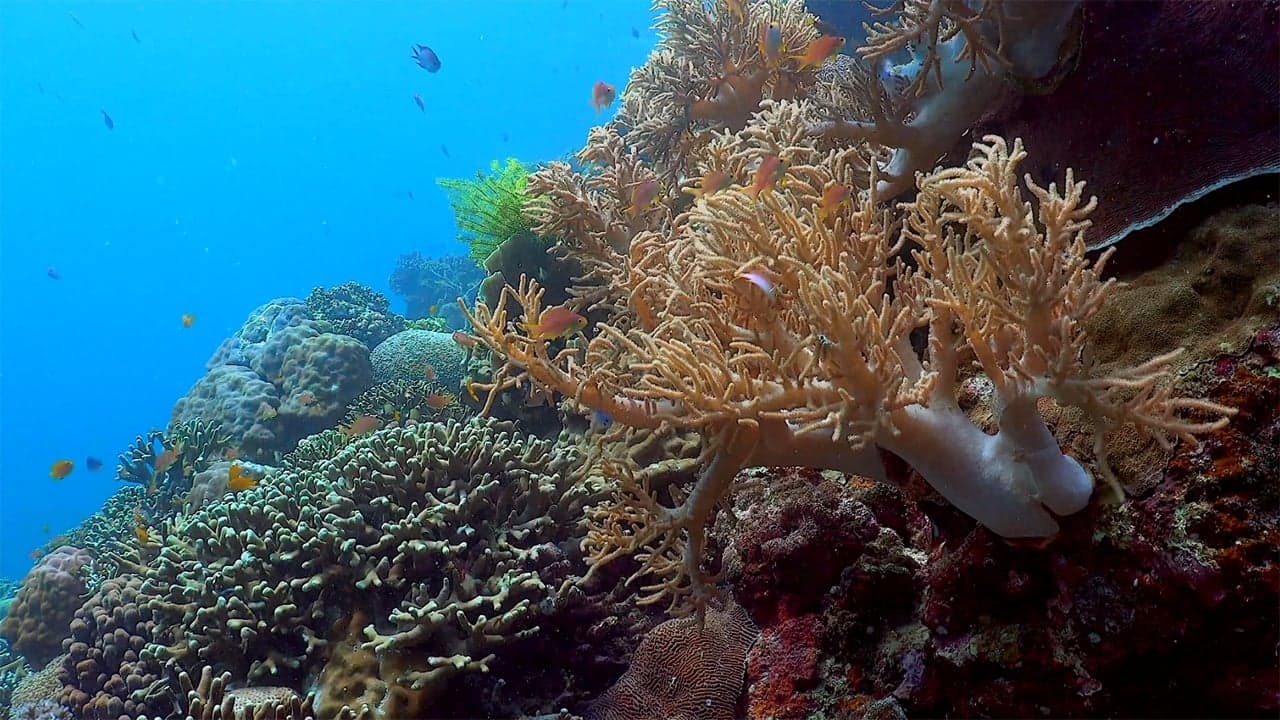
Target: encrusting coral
787, 332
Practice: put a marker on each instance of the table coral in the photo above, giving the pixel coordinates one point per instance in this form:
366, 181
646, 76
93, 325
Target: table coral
446, 535
38, 620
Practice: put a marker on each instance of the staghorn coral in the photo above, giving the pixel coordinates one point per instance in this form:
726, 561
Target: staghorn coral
489, 208
313, 450
355, 310
210, 698
197, 443
38, 619
684, 669
784, 336
446, 536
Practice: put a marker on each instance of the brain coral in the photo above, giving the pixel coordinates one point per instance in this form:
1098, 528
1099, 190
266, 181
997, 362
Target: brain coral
684, 672
41, 613
444, 537
405, 355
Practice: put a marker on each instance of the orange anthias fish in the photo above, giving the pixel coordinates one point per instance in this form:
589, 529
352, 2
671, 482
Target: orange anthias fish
820, 51
555, 323
772, 169
167, 459
306, 397
602, 95
465, 341
832, 198
361, 425
237, 480
771, 43
61, 469
188, 320
439, 401
644, 195
428, 371
712, 183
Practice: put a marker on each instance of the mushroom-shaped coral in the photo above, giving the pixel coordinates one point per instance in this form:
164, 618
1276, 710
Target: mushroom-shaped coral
41, 613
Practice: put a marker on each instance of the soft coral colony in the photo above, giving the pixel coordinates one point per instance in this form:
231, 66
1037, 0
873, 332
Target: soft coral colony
785, 331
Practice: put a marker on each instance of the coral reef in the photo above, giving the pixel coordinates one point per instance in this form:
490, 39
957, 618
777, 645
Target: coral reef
209, 698
245, 346
36, 696
355, 310
435, 283
415, 355
242, 403
41, 613
490, 208
13, 668
782, 333
684, 668
103, 533
286, 375
398, 401
105, 674
415, 554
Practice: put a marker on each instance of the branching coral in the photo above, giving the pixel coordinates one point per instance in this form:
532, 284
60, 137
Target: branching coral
784, 335
708, 72
488, 209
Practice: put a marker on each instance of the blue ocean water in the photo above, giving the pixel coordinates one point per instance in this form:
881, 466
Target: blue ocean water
259, 149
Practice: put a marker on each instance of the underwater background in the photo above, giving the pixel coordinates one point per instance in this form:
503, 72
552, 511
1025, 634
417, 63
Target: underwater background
814, 359
259, 149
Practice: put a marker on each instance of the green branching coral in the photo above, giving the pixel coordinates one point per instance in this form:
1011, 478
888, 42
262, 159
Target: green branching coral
490, 208
197, 444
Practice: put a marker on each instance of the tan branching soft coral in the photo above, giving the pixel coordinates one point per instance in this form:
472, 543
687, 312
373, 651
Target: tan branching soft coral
709, 72
933, 68
791, 331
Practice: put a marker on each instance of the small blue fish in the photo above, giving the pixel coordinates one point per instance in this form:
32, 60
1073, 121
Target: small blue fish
417, 99
106, 119
445, 149
426, 58
600, 421
93, 464
136, 39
